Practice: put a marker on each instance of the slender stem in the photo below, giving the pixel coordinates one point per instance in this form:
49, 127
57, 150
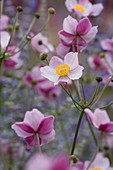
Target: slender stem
76, 133
83, 91
38, 142
74, 101
78, 86
98, 145
3, 159
100, 94
12, 32
47, 61
73, 82
108, 64
95, 93
91, 130
106, 106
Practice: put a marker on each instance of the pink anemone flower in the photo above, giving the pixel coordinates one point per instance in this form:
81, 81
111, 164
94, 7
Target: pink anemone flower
100, 120
41, 44
107, 45
63, 70
35, 129
74, 33
99, 163
4, 22
83, 8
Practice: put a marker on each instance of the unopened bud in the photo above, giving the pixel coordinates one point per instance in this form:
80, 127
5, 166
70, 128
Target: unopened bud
17, 27
106, 148
51, 11
74, 158
102, 55
43, 56
37, 15
40, 42
98, 79
19, 9
28, 38
9, 28
34, 82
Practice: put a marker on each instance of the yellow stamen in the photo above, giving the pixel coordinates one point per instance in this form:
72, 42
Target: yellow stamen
96, 169
79, 7
63, 70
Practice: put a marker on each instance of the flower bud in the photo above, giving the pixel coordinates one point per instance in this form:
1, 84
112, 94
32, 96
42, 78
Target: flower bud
51, 11
37, 15
17, 27
74, 158
102, 55
43, 56
106, 148
28, 38
40, 42
9, 28
98, 79
19, 9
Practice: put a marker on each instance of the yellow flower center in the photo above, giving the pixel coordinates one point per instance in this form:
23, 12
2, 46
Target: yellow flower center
96, 169
79, 7
63, 70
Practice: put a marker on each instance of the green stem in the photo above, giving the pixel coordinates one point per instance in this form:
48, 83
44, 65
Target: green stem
3, 159
100, 94
76, 133
95, 93
91, 130
73, 82
98, 145
108, 64
38, 142
83, 91
47, 61
106, 106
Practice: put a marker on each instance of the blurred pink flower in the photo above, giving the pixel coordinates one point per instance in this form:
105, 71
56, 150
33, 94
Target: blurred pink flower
45, 87
40, 43
107, 45
63, 70
110, 141
83, 8
5, 36
4, 22
13, 61
100, 120
105, 80
35, 127
100, 163
97, 63
72, 29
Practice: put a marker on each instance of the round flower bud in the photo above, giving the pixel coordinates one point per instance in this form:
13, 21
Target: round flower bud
19, 9
17, 27
51, 11
37, 15
74, 158
9, 28
102, 55
43, 56
98, 79
28, 38
40, 42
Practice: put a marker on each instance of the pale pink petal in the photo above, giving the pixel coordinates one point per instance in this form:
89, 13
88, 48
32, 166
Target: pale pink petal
22, 129
32, 141
96, 9
46, 125
47, 138
62, 50
91, 34
107, 44
62, 79
55, 62
4, 35
49, 73
34, 118
90, 116
76, 73
4, 22
70, 24
71, 59
83, 26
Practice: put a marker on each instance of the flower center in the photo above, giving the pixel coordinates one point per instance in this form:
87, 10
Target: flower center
79, 7
96, 169
63, 70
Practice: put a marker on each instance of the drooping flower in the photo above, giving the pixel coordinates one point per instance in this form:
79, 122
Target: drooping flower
35, 129
41, 44
97, 63
100, 120
107, 45
83, 8
45, 87
99, 163
63, 70
4, 22
74, 33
